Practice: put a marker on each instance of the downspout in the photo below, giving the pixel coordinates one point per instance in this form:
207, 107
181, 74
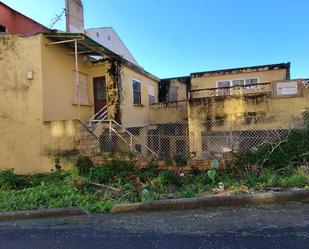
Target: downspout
77, 78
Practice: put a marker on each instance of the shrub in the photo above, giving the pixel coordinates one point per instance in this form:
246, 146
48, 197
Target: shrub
101, 174
84, 165
187, 192
192, 190
10, 181
149, 172
168, 178
122, 169
292, 152
181, 160
57, 177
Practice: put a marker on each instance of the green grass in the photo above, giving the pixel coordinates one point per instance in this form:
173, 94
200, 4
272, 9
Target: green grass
124, 184
53, 195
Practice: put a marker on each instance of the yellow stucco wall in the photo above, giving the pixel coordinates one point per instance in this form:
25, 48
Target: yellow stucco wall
57, 70
36, 116
134, 114
181, 89
230, 113
28, 143
169, 113
263, 76
20, 101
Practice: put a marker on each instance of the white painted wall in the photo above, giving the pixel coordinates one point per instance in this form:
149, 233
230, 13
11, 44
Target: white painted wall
107, 37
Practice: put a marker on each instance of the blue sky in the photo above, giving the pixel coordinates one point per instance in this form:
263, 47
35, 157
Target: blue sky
174, 37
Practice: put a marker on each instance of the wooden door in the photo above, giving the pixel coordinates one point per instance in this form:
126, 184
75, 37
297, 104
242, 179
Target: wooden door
99, 93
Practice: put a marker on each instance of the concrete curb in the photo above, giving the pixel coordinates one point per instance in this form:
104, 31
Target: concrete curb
42, 213
215, 201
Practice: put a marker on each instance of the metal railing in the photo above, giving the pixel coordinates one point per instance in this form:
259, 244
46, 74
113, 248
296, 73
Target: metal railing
130, 140
174, 104
100, 116
260, 88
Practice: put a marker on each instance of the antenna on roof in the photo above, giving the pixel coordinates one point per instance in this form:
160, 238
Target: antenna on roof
57, 19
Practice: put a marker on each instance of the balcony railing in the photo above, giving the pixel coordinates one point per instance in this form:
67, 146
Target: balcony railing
253, 89
174, 104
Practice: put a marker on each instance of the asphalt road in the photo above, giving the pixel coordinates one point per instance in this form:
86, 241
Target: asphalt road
281, 226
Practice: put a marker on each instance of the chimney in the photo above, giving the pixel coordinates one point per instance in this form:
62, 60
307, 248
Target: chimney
74, 13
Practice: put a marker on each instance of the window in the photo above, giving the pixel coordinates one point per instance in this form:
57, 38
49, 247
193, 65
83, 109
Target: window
249, 83
252, 81
82, 96
151, 95
2, 29
137, 100
172, 93
238, 82
223, 84
100, 89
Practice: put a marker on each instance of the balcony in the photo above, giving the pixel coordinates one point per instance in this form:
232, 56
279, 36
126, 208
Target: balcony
168, 112
247, 90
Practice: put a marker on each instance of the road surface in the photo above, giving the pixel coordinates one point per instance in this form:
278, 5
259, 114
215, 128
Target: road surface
271, 226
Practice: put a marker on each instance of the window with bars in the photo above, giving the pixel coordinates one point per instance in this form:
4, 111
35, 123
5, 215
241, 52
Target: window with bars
137, 99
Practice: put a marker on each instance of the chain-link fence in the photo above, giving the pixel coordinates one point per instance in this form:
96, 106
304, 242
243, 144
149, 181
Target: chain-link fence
220, 138
213, 138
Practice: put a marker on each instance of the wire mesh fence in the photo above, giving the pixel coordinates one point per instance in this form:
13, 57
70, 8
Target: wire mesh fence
207, 139
222, 138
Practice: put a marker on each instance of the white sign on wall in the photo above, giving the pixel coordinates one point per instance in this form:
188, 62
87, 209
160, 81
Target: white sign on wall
287, 88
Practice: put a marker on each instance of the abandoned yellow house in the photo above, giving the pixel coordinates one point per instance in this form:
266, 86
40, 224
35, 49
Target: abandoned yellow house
65, 94
218, 112
48, 110
43, 107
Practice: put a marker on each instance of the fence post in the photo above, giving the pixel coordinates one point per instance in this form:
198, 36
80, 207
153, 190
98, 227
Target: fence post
110, 128
131, 142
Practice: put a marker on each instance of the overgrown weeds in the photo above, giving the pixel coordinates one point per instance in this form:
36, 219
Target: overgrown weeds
289, 152
98, 188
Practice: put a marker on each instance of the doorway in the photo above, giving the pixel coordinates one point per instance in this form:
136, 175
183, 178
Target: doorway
99, 93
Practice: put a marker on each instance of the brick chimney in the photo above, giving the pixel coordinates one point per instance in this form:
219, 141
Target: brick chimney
74, 13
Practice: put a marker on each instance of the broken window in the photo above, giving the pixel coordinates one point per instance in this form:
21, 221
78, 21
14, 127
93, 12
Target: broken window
137, 100
2, 29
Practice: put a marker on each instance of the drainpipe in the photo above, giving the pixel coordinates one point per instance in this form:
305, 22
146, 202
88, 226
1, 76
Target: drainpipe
77, 78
